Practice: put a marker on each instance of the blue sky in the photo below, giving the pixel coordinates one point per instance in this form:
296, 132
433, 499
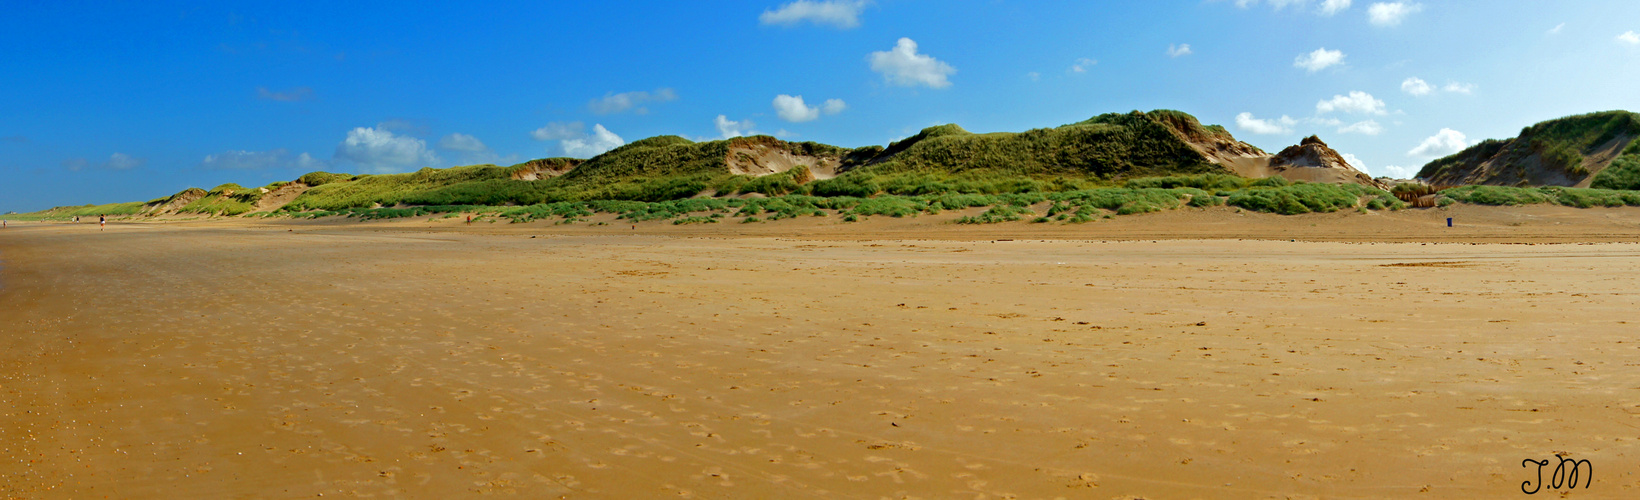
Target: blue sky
129, 101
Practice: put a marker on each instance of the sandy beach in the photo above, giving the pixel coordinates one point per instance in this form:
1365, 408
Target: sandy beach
1184, 354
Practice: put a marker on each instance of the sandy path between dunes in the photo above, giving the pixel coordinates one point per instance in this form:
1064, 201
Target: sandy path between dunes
213, 361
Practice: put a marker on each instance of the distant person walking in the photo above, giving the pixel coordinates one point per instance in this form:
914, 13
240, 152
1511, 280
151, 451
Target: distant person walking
102, 222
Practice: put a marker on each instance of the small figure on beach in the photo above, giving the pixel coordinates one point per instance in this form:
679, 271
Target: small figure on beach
102, 222
469, 220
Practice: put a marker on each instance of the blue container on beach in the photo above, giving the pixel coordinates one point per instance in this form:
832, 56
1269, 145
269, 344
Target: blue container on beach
1448, 222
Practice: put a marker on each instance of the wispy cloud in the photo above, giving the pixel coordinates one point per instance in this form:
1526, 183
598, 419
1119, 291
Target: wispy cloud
260, 160
630, 101
1330, 7
116, 161
1459, 88
1418, 87
291, 95
557, 131
1368, 127
1326, 7
122, 161
1082, 65
462, 142
1629, 37
1179, 50
471, 151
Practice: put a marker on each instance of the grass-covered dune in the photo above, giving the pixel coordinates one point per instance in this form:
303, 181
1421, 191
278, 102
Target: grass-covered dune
62, 213
1569, 151
1273, 195
1110, 146
1112, 164
943, 159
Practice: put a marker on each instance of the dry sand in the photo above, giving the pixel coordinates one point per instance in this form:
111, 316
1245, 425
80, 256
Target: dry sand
895, 358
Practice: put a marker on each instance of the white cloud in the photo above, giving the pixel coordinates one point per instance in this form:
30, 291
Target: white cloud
1357, 102
1082, 65
617, 103
1178, 50
601, 141
573, 139
833, 106
839, 13
1391, 14
1034, 76
1416, 86
307, 162
1330, 7
903, 66
792, 109
730, 128
1460, 88
259, 160
1443, 143
1368, 127
1629, 37
463, 142
557, 131
1279, 126
1355, 162
1327, 7
1400, 172
1556, 30
379, 151
1319, 60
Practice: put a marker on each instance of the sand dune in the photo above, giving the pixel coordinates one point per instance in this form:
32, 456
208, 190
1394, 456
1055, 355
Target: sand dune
437, 360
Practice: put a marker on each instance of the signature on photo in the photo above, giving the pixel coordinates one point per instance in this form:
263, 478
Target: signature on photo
1565, 474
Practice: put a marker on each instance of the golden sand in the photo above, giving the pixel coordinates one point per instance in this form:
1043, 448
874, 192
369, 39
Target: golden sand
809, 358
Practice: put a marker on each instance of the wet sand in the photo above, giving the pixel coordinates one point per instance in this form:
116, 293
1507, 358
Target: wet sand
429, 359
